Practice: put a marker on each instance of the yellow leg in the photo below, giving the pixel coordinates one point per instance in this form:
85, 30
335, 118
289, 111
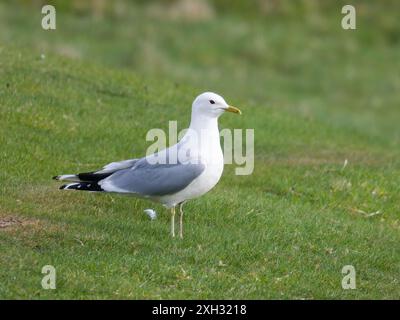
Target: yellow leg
173, 222
181, 221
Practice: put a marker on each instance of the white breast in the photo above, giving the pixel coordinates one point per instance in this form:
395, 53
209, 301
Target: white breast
202, 142
212, 157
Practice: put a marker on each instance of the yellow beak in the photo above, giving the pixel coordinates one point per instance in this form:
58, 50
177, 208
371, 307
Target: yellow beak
233, 109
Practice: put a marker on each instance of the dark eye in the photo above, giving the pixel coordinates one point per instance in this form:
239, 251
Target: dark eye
212, 101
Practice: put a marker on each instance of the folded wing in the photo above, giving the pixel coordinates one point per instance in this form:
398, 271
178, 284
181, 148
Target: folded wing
147, 179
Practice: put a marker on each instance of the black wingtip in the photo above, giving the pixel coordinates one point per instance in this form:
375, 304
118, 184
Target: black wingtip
82, 186
55, 177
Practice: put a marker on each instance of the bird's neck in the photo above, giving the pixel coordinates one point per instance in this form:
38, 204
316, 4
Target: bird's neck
203, 124
203, 134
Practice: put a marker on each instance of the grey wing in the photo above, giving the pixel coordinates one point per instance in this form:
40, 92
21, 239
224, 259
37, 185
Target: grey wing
152, 179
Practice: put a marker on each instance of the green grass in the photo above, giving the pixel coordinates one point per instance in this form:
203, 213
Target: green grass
314, 94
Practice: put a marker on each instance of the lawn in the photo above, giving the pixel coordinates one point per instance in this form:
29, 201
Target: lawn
325, 191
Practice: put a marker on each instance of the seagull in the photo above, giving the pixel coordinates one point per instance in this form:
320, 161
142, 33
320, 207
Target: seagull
174, 175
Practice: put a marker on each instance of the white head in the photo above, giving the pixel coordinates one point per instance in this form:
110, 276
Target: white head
211, 105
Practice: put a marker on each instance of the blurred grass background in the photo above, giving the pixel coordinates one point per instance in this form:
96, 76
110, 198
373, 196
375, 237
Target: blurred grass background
267, 52
315, 94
